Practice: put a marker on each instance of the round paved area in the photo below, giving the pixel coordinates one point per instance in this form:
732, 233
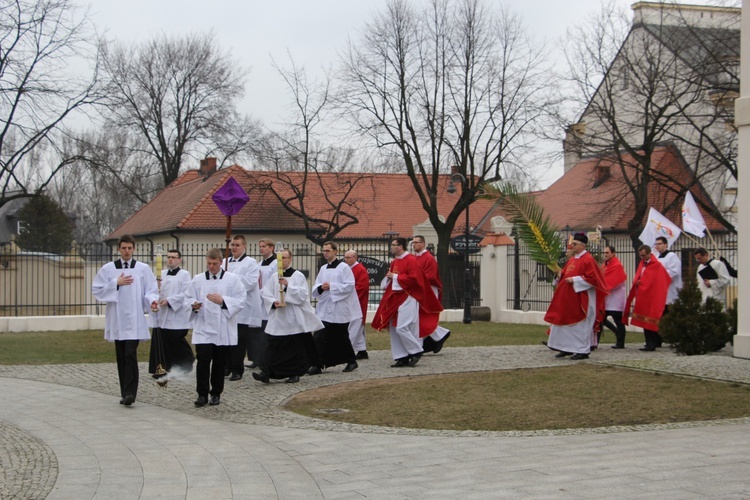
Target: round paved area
69, 437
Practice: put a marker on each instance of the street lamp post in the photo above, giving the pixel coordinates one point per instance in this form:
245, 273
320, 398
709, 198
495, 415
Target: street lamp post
467, 272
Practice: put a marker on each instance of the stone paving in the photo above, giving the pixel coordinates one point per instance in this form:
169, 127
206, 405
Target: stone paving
68, 437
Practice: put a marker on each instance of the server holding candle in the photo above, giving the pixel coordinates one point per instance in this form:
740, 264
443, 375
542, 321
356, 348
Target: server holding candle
171, 321
280, 267
288, 327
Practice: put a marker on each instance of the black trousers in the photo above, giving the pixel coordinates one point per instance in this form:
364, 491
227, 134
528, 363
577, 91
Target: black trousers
127, 366
209, 370
334, 346
236, 354
257, 345
653, 339
617, 327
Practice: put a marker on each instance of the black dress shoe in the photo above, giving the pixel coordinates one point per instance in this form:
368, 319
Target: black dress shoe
647, 349
235, 376
413, 360
562, 354
439, 346
617, 347
293, 379
314, 370
128, 400
227, 372
400, 363
214, 401
350, 367
201, 401
363, 355
578, 356
261, 377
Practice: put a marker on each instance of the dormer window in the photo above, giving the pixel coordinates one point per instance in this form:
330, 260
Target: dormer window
601, 174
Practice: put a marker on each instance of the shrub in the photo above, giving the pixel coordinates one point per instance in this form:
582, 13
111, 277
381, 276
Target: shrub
732, 318
694, 327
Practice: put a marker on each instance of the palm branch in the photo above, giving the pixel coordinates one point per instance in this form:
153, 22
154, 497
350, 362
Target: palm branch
532, 223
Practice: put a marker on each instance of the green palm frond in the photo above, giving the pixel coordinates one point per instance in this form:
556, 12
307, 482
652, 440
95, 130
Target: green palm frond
533, 224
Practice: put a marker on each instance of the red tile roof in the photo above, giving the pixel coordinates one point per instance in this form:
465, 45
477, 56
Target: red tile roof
496, 240
576, 201
381, 202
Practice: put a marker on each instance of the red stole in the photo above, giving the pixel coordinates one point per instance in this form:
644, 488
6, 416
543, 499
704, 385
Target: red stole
414, 283
649, 291
614, 273
568, 307
429, 265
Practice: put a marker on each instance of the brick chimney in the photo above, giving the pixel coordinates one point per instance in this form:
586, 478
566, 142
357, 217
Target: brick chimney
208, 167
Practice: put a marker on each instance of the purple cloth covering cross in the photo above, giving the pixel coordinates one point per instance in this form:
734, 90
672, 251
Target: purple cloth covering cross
230, 198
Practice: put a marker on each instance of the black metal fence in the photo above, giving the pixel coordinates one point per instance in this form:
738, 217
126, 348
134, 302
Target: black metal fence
43, 284
530, 283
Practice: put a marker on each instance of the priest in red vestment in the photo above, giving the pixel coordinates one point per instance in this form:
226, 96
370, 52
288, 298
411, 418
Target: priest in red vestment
435, 340
649, 290
576, 303
362, 287
409, 308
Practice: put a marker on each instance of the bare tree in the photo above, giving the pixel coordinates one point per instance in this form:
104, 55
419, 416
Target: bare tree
48, 71
101, 196
456, 85
179, 95
649, 83
313, 181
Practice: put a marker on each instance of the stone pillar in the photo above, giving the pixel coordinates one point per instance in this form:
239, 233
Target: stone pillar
72, 283
494, 267
742, 120
427, 230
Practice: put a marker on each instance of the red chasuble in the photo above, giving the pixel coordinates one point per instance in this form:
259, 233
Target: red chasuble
649, 290
415, 284
568, 307
362, 285
429, 265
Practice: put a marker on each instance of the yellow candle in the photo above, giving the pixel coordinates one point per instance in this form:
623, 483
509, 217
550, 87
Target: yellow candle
158, 264
280, 264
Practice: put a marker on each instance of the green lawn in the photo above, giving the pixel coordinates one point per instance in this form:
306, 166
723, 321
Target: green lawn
89, 346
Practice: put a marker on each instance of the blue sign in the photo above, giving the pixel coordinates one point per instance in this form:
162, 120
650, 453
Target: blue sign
376, 269
459, 244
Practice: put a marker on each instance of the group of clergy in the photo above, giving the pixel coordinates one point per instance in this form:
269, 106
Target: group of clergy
242, 307
587, 295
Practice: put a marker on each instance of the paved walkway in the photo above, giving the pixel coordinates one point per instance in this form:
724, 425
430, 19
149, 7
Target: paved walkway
66, 437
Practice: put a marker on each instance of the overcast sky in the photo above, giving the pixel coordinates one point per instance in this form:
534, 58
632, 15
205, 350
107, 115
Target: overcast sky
312, 31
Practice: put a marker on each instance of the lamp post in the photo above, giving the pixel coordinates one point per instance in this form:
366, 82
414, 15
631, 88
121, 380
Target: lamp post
516, 269
467, 274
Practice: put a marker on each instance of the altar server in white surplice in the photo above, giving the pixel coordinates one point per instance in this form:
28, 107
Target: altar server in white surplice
337, 305
129, 290
290, 325
249, 320
170, 324
216, 297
